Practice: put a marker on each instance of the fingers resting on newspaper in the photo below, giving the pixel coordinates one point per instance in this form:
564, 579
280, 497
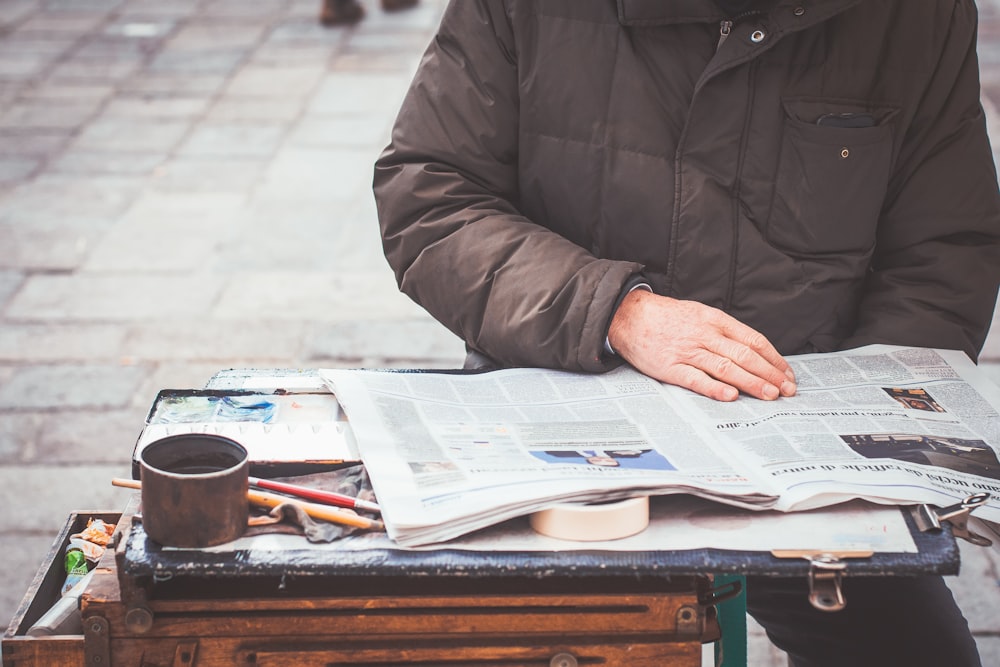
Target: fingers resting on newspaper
698, 347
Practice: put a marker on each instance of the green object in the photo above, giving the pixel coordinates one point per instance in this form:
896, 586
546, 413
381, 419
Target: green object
76, 562
731, 650
76, 569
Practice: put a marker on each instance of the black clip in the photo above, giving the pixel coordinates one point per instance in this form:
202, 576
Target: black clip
720, 594
929, 518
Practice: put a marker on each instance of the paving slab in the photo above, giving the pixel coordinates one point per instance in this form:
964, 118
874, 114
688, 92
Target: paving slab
96, 69
258, 80
341, 130
43, 114
133, 135
175, 83
231, 108
39, 143
83, 386
144, 35
209, 174
59, 22
31, 243
190, 208
234, 140
69, 200
203, 35
360, 93
17, 169
269, 341
24, 66
77, 161
218, 62
100, 7
72, 342
159, 9
20, 432
257, 10
122, 296
309, 174
189, 108
49, 47
56, 491
381, 344
10, 281
306, 31
59, 93
319, 296
186, 374
182, 246
14, 12
84, 437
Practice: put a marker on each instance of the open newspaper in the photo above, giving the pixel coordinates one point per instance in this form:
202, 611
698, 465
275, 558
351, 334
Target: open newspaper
451, 453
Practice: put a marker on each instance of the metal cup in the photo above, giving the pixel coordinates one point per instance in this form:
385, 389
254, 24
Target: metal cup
194, 490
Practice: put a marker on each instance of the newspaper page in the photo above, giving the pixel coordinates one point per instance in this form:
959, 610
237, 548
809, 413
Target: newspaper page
451, 453
889, 424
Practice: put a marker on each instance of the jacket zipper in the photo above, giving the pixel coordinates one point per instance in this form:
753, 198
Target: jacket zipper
737, 194
725, 29
726, 26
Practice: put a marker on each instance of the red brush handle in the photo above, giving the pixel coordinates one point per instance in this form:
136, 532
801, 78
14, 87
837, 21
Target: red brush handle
328, 497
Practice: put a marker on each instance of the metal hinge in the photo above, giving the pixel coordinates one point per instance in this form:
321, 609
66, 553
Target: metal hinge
929, 518
96, 642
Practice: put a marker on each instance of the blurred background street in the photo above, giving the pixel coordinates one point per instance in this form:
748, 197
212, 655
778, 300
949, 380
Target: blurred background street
184, 188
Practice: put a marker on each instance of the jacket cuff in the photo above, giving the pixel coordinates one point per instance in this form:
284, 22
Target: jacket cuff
638, 281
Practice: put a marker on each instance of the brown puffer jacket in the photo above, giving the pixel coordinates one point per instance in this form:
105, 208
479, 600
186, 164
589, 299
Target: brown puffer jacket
820, 171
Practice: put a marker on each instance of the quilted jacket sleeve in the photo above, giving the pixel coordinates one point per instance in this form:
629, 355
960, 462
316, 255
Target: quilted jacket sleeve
447, 195
937, 258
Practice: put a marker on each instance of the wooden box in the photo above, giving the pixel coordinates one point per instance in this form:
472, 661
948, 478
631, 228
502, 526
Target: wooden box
20, 650
559, 621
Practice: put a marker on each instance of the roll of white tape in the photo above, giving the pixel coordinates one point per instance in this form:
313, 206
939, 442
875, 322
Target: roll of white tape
593, 522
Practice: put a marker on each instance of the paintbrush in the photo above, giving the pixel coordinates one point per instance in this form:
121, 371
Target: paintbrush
264, 499
325, 497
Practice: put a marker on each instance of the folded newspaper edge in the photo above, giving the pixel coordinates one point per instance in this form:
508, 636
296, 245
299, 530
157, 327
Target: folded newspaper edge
451, 453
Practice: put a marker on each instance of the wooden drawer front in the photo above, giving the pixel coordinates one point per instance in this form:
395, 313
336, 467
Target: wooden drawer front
227, 652
664, 615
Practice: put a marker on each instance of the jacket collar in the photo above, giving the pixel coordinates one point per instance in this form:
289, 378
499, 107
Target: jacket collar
665, 12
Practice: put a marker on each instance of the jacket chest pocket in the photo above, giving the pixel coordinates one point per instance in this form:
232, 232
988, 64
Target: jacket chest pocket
832, 175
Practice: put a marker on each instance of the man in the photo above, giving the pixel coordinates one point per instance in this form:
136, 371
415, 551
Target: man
698, 188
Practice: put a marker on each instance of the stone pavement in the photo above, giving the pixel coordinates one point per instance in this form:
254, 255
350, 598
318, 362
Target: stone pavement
185, 187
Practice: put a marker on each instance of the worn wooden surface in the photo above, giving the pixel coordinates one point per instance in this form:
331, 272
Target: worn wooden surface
43, 652
210, 623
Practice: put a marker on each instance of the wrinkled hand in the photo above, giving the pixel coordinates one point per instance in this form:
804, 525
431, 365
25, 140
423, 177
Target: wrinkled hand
698, 347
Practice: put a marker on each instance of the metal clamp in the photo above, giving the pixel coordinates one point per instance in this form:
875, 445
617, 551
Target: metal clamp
929, 518
826, 572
